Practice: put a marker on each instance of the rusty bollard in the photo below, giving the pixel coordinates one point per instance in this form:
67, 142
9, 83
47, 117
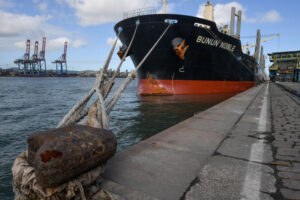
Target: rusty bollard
61, 154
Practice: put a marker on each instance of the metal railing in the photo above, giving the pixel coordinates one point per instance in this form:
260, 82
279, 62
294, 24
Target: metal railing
138, 12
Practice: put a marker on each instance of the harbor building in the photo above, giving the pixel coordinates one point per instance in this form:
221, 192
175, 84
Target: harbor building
285, 67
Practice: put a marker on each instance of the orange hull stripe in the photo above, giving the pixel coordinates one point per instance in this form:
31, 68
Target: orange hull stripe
165, 87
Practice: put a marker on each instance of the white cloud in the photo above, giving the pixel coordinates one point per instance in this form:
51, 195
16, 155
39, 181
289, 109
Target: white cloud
54, 43
272, 16
222, 13
6, 4
17, 28
95, 12
20, 44
43, 6
169, 8
78, 43
57, 43
17, 24
60, 1
110, 41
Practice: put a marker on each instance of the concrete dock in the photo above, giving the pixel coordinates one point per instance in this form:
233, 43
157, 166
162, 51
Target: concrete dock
291, 86
247, 147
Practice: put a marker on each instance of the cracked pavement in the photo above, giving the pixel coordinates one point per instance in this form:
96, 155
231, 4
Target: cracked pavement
255, 164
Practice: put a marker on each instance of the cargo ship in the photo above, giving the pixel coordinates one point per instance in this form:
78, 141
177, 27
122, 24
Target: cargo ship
193, 57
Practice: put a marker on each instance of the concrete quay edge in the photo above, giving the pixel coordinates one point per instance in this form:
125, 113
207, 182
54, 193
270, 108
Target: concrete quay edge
165, 165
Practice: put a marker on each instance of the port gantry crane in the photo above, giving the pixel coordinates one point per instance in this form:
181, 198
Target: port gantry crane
41, 59
62, 63
34, 59
24, 62
38, 58
262, 41
33, 66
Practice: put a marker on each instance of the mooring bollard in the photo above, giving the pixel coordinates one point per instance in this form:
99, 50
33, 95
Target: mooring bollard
61, 154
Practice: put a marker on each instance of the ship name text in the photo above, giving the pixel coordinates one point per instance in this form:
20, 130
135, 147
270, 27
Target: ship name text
216, 43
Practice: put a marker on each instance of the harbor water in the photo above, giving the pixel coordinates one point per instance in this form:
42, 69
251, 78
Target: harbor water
28, 105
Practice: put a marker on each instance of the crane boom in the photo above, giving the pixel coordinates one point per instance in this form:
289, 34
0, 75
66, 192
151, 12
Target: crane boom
262, 41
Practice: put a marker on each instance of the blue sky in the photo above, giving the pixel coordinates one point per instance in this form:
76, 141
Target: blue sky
87, 25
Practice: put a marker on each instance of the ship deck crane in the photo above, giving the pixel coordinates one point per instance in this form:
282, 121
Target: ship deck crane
262, 41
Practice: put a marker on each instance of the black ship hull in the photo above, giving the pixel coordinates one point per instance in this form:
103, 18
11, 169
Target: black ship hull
213, 61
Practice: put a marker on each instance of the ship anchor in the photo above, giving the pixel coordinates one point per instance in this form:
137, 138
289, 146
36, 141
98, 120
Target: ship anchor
179, 47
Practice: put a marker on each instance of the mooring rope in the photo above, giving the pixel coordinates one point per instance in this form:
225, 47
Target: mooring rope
80, 105
111, 82
80, 187
98, 112
101, 108
100, 103
104, 68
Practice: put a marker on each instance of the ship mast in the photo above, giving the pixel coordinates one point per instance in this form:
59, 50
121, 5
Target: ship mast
164, 8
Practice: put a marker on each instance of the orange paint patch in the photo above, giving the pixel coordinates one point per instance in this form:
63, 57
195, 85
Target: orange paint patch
152, 86
48, 155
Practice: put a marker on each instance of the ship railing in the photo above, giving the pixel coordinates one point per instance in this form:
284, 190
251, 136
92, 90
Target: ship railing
138, 12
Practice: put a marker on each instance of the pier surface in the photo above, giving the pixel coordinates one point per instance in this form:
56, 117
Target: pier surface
247, 147
291, 86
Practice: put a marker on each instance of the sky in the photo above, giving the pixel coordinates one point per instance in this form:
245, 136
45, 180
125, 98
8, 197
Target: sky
87, 25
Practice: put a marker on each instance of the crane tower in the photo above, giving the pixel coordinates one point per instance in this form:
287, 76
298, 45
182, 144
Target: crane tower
61, 63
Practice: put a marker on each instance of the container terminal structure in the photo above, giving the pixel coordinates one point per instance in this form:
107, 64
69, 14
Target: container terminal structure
285, 67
